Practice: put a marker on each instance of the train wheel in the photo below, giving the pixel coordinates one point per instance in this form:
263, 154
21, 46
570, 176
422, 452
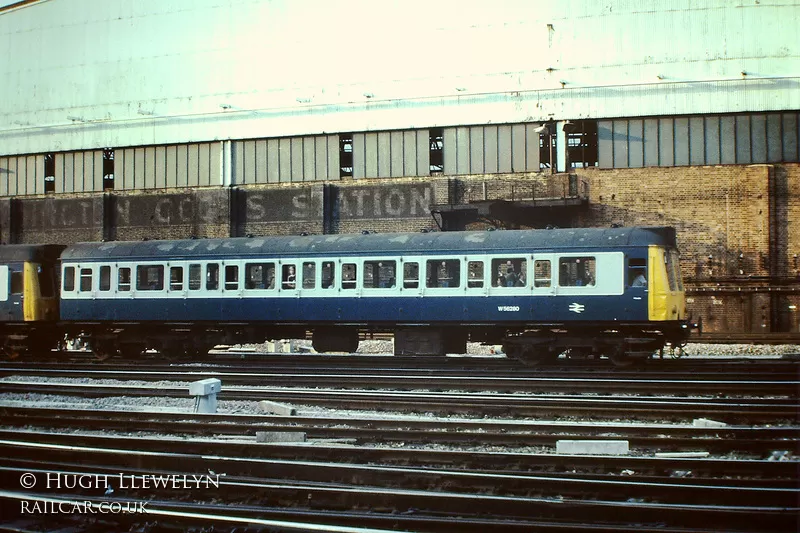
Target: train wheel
622, 359
580, 354
103, 350
130, 351
530, 355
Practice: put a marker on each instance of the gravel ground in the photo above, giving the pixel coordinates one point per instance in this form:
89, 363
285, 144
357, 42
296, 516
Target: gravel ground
473, 348
186, 405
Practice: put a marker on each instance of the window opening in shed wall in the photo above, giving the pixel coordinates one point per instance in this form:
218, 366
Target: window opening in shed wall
108, 169
547, 149
346, 155
436, 142
49, 172
582, 144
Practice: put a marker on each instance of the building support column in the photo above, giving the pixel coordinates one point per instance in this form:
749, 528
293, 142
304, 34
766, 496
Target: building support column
561, 146
226, 164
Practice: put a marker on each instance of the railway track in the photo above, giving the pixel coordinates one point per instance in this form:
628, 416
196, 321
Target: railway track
370, 430
435, 498
783, 381
616, 406
359, 472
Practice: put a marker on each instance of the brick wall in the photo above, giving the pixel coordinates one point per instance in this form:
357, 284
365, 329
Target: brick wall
735, 224
64, 219
787, 189
735, 231
721, 213
386, 206
173, 214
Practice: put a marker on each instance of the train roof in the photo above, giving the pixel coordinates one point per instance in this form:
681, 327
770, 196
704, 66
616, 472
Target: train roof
30, 252
378, 243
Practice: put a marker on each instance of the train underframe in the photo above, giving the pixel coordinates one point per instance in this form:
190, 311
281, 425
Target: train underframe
531, 344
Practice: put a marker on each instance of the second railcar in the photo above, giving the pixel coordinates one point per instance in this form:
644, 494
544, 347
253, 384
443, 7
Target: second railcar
614, 292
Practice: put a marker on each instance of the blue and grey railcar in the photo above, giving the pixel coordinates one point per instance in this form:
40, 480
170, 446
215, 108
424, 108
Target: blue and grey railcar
28, 297
614, 292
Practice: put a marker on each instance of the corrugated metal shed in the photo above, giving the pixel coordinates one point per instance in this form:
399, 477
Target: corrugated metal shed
154, 72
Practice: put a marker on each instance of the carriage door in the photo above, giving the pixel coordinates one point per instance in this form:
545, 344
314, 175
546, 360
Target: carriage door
477, 274
544, 282
11, 308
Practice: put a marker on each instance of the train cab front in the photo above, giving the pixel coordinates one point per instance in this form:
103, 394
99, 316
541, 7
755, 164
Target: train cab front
667, 296
29, 305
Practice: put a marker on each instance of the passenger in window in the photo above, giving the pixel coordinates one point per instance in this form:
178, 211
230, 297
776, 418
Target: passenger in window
444, 275
348, 278
473, 279
588, 279
327, 275
289, 279
510, 277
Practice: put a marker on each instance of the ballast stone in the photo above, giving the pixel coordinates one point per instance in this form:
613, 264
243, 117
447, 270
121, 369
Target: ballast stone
592, 447
708, 423
275, 408
280, 436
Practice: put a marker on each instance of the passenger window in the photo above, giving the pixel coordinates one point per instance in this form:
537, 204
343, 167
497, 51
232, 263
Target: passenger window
124, 279
259, 276
176, 278
541, 273
509, 272
576, 271
475, 274
195, 277
328, 274
105, 278
309, 275
150, 278
637, 272
288, 277
443, 273
411, 275
231, 278
86, 280
349, 276
16, 282
212, 277
69, 280
379, 274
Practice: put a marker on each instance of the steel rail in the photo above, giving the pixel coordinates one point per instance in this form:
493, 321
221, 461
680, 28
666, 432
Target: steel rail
518, 404
347, 379
505, 433
229, 518
461, 459
333, 362
423, 488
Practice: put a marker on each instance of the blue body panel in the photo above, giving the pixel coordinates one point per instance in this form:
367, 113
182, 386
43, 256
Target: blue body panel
528, 306
362, 310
